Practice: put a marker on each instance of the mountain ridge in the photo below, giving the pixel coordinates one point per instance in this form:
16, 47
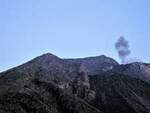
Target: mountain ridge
49, 84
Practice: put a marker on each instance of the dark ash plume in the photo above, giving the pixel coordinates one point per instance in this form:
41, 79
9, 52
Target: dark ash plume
122, 46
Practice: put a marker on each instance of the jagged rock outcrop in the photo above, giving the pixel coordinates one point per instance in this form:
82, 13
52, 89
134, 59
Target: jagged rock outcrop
81, 87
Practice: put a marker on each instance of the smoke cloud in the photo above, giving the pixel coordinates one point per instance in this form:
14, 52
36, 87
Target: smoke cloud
122, 46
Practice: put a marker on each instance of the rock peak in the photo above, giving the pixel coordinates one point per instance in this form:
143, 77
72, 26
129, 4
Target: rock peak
48, 55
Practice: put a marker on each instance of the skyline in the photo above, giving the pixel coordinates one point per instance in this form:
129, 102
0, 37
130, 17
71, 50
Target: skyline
72, 29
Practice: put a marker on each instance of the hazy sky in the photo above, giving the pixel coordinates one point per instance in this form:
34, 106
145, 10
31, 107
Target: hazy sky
71, 28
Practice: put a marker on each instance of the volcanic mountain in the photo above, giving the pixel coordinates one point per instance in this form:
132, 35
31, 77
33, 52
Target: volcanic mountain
49, 84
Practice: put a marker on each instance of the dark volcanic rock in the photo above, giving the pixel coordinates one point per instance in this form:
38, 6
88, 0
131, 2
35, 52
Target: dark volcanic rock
44, 98
136, 70
120, 94
95, 65
49, 84
49, 67
17, 83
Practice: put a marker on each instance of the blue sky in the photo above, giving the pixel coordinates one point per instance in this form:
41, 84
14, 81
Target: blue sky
71, 28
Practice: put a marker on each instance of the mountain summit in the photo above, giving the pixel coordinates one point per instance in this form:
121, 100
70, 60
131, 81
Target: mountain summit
49, 84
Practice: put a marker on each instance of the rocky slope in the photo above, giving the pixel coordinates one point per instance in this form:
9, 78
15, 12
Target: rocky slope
120, 93
95, 65
43, 97
136, 70
49, 84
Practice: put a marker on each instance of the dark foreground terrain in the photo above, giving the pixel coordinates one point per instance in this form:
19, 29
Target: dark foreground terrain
49, 84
